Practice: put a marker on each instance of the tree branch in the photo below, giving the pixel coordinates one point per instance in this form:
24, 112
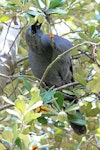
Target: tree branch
60, 56
66, 86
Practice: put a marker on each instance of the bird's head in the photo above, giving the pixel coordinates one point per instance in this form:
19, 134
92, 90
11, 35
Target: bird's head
36, 27
31, 32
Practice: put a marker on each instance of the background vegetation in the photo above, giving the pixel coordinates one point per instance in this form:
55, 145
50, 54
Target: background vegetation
27, 121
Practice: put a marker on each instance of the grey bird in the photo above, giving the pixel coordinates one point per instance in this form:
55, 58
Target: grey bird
42, 51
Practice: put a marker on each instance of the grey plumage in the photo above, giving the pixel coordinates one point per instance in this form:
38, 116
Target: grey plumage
42, 51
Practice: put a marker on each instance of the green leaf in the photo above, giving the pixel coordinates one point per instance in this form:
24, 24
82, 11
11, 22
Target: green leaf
93, 112
83, 36
12, 112
5, 144
42, 120
62, 116
20, 105
80, 79
26, 84
59, 124
56, 3
27, 6
47, 96
18, 2
23, 19
91, 30
97, 69
31, 116
98, 54
32, 107
20, 143
35, 98
7, 135
77, 119
15, 131
38, 3
47, 3
25, 139
2, 146
94, 85
68, 92
77, 146
35, 92
72, 108
57, 11
7, 100
59, 99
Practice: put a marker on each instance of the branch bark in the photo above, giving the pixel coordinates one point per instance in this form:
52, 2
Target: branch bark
9, 41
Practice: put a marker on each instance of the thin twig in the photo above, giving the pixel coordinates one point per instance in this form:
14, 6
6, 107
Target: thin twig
5, 106
3, 118
7, 33
4, 76
22, 59
16, 39
86, 55
66, 86
60, 56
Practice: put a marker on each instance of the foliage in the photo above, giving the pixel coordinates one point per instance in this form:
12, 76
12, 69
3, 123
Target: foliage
37, 118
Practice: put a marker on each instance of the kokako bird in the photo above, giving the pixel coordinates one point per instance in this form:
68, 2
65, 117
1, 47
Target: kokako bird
42, 51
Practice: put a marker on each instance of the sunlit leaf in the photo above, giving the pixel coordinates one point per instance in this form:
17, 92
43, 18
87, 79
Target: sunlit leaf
7, 135
35, 92
34, 106
94, 85
72, 108
15, 131
91, 30
68, 92
7, 100
2, 146
31, 116
4, 19
12, 112
20, 105
27, 6
80, 79
25, 139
